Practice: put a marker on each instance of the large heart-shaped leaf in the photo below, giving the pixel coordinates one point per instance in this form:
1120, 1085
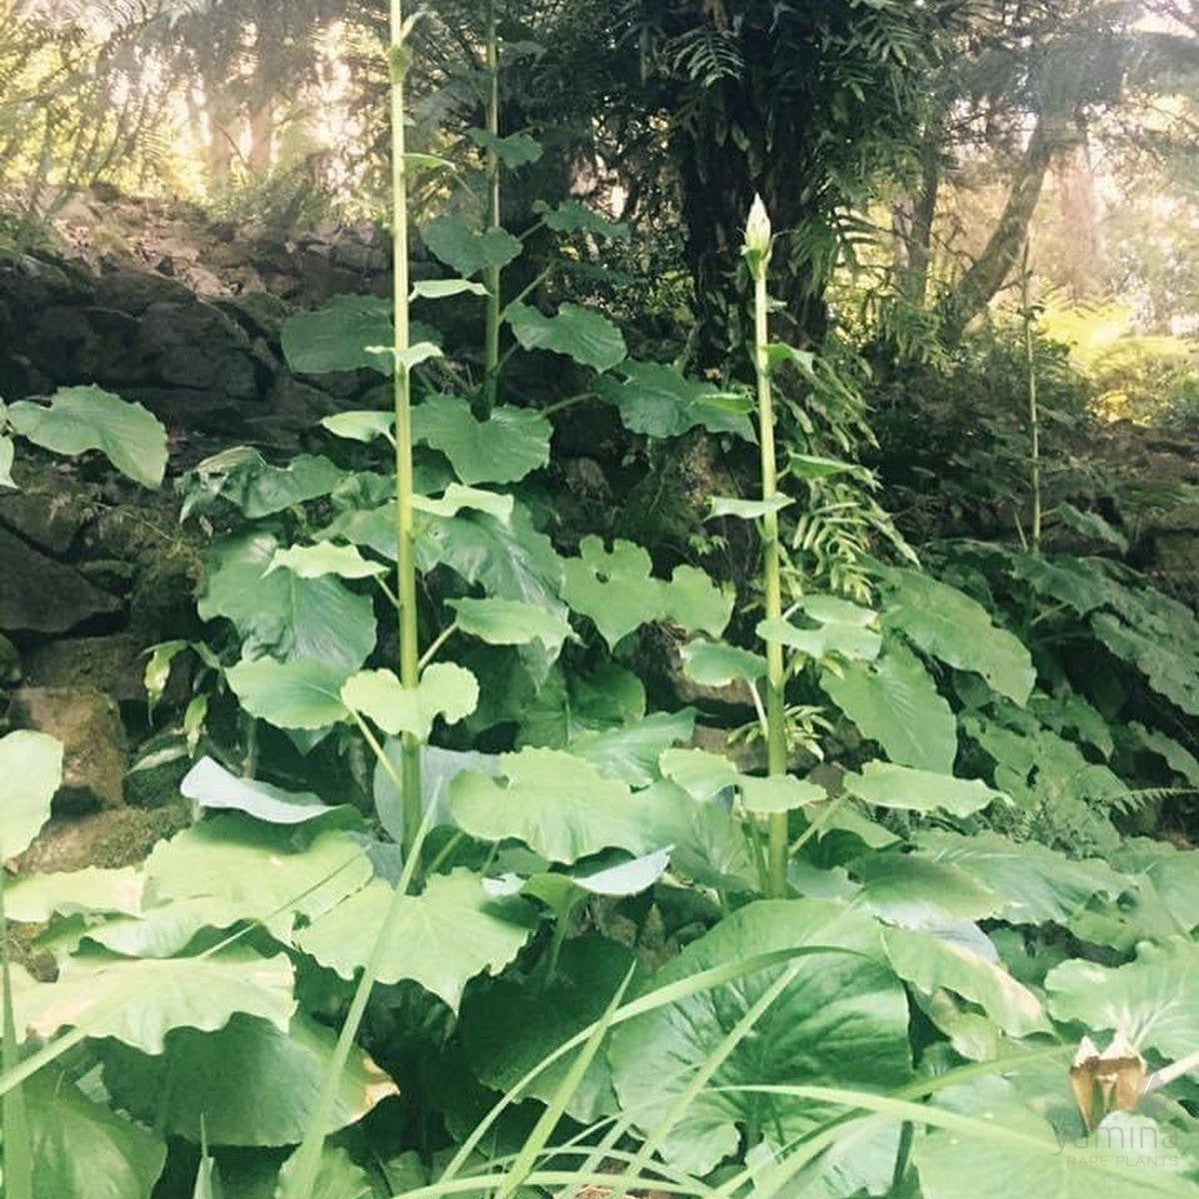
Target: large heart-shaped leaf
502, 449
244, 478
299, 694
450, 933
617, 591
249, 1084
83, 1150
895, 702
34, 898
336, 337
631, 752
213, 787
30, 773
918, 893
325, 558
138, 1002
833, 626
842, 1021
1008, 1149
559, 805
282, 615
89, 418
1035, 884
445, 689
265, 872
889, 786
510, 1027
468, 252
510, 622
657, 401
930, 962
947, 624
1172, 872
1152, 1000
580, 333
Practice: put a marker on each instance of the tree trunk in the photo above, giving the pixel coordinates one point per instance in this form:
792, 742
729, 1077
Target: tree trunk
978, 286
262, 138
1080, 211
918, 239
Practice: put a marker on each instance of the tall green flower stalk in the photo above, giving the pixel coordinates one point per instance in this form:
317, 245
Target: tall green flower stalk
756, 252
410, 764
491, 274
1034, 414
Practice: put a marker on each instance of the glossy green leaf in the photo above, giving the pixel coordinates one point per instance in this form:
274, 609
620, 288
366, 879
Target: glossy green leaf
139, 1001
630, 752
701, 774
336, 337
1011, 1150
502, 449
843, 1020
778, 793
509, 1028
510, 622
1173, 873
8, 453
468, 252
895, 702
739, 509
338, 1176
446, 690
714, 664
443, 289
573, 216
360, 426
580, 333
832, 626
947, 624
617, 591
1152, 1000
30, 773
213, 787
35, 898
243, 477
282, 615
656, 400
455, 498
300, 694
917, 892
325, 558
515, 150
78, 419
266, 872
450, 933
557, 804
1035, 884
82, 1149
890, 786
930, 962
251, 1083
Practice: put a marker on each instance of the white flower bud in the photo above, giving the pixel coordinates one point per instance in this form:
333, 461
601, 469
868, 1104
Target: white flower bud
757, 229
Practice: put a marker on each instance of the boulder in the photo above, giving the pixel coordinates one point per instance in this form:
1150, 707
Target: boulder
114, 665
112, 839
41, 595
195, 345
48, 519
88, 723
135, 291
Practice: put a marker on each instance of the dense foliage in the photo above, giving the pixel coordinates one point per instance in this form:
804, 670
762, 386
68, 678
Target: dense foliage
532, 858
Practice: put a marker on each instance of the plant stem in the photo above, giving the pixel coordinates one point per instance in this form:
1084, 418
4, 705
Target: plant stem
491, 275
776, 733
406, 556
1034, 419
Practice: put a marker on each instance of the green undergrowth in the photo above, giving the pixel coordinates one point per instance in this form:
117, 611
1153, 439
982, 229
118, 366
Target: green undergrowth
494, 922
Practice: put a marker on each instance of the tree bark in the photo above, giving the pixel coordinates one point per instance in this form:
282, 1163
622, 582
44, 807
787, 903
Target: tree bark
978, 286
